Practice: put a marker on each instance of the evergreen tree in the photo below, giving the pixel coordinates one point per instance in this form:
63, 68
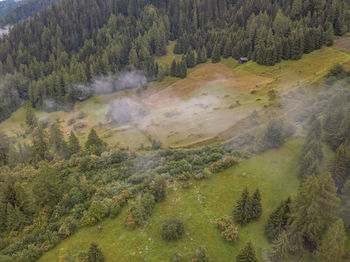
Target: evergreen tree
228, 48
247, 254
56, 136
203, 55
242, 211
190, 59
256, 207
215, 57
339, 166
345, 204
310, 218
173, 69
4, 148
94, 144
40, 142
95, 254
332, 247
278, 220
31, 119
279, 248
73, 144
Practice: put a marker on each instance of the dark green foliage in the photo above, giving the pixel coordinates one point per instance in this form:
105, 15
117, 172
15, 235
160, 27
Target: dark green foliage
310, 220
4, 149
247, 254
56, 137
280, 248
333, 244
339, 166
73, 144
256, 207
345, 204
215, 57
278, 220
172, 229
94, 144
173, 69
31, 119
95, 254
158, 188
201, 255
337, 71
243, 209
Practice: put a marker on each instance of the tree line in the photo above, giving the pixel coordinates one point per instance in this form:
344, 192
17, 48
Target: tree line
73, 41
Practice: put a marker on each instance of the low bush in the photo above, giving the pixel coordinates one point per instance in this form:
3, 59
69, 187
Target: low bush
172, 229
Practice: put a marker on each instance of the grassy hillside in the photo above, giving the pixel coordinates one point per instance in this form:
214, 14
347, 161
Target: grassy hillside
275, 174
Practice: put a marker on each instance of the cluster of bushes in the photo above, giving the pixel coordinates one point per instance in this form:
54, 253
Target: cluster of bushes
140, 211
228, 229
223, 164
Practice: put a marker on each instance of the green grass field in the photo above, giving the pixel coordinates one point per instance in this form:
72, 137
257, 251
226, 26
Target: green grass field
275, 174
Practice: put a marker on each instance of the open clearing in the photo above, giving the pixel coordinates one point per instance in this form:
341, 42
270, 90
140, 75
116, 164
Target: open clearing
273, 172
212, 100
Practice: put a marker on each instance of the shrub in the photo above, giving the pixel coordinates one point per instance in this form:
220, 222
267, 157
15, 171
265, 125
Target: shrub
81, 115
115, 210
229, 230
223, 164
172, 229
158, 188
140, 211
68, 227
96, 212
201, 255
71, 121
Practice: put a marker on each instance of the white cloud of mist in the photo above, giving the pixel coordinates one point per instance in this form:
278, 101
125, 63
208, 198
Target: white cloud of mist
4, 30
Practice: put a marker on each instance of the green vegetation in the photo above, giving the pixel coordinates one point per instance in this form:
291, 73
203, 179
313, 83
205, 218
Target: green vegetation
273, 172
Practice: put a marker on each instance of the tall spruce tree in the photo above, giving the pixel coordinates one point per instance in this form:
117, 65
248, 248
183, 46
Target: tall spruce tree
56, 136
247, 254
332, 247
215, 57
315, 208
256, 207
94, 144
242, 211
345, 204
280, 248
278, 220
73, 144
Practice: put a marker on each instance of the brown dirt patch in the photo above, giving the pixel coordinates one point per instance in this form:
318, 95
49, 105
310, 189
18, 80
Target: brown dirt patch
208, 74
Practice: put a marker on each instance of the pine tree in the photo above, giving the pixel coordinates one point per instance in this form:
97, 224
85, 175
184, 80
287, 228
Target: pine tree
310, 218
228, 48
73, 144
345, 204
279, 248
173, 69
56, 136
31, 119
256, 207
278, 220
40, 142
94, 144
215, 57
190, 59
242, 211
95, 254
204, 56
339, 166
247, 254
332, 247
